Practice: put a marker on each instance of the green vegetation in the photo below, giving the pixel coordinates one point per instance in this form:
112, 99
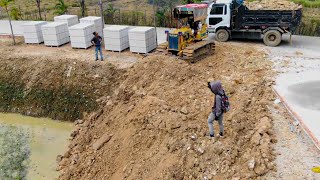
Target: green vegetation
61, 7
59, 103
308, 3
14, 153
310, 25
15, 13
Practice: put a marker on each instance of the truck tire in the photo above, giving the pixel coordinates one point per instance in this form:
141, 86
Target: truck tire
272, 38
222, 35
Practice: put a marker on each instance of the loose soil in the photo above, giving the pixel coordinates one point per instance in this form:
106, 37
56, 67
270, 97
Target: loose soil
154, 126
272, 5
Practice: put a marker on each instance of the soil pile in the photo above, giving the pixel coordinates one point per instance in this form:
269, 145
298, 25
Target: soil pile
272, 5
155, 124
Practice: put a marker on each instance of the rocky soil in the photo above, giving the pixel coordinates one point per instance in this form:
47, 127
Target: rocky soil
154, 126
272, 5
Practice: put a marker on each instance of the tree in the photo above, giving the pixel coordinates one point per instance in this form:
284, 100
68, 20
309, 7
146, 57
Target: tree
160, 14
61, 7
4, 4
39, 9
15, 13
82, 7
109, 13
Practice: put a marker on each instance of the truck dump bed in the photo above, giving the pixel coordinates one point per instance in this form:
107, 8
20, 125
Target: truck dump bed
243, 18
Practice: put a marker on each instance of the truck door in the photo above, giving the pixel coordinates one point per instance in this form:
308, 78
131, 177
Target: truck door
218, 16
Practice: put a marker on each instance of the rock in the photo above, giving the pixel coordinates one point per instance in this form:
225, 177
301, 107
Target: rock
200, 150
100, 142
261, 169
251, 164
255, 139
74, 133
79, 121
296, 123
67, 154
184, 110
194, 137
59, 158
109, 103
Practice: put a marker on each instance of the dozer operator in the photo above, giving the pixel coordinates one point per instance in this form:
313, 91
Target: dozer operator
188, 40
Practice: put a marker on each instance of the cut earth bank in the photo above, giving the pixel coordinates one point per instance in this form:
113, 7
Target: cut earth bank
59, 83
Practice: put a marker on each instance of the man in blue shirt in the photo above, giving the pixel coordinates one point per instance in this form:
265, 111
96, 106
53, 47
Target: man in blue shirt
96, 41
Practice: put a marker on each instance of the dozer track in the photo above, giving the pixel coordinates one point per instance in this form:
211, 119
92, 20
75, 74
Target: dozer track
194, 52
199, 50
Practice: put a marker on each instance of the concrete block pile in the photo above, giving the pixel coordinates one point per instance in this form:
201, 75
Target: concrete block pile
116, 38
81, 35
32, 32
96, 21
69, 19
142, 39
55, 34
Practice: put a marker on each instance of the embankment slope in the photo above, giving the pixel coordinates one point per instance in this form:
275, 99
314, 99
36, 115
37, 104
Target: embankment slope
154, 126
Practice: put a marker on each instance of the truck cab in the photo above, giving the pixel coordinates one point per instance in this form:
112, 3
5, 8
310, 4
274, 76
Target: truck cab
219, 15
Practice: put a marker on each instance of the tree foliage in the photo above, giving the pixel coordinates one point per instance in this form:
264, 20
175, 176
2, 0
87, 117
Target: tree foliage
15, 13
61, 7
5, 3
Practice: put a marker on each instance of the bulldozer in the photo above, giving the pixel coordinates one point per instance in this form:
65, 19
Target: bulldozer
188, 40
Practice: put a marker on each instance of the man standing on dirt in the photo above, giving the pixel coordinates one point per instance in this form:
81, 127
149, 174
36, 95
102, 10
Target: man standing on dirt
217, 111
96, 41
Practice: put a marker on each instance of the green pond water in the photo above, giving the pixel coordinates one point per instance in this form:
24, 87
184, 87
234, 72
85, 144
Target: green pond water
47, 139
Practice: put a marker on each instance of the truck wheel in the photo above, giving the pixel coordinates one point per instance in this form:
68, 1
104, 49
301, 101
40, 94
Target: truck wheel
222, 35
272, 38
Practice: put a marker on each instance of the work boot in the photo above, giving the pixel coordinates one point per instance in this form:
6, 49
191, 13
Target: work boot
221, 134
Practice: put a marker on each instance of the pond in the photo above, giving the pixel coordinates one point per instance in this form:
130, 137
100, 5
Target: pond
32, 144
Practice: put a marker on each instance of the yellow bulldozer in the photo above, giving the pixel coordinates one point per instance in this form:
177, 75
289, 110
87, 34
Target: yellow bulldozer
188, 40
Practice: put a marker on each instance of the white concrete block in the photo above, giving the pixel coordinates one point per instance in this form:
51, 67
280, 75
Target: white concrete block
69, 19
32, 30
115, 31
55, 33
96, 21
81, 35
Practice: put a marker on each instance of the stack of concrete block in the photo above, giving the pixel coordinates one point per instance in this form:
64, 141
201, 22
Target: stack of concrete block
116, 38
55, 34
81, 35
96, 21
142, 39
69, 19
32, 32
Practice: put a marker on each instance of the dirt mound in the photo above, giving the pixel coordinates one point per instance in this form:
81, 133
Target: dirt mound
155, 124
272, 5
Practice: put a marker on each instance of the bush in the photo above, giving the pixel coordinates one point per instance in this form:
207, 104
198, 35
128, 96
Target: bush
14, 152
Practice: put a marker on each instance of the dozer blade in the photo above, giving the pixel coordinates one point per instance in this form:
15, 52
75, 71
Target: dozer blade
199, 50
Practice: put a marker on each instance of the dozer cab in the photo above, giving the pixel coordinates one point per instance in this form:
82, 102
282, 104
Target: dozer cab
187, 41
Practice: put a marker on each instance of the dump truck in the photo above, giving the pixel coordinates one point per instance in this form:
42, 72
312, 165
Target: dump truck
189, 40
230, 19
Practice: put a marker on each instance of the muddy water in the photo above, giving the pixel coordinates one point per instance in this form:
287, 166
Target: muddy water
49, 138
